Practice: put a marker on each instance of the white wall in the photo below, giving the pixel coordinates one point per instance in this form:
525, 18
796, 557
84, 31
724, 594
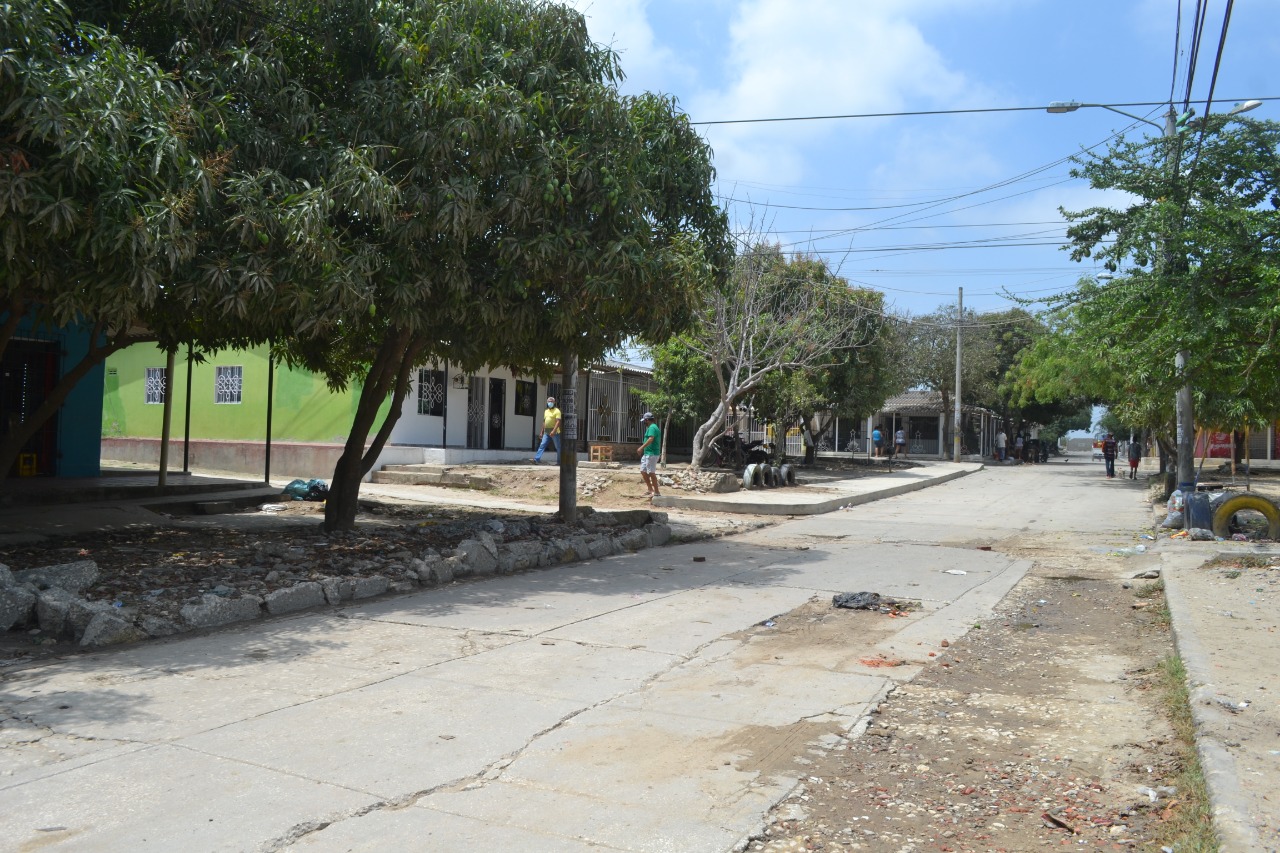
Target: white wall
418, 430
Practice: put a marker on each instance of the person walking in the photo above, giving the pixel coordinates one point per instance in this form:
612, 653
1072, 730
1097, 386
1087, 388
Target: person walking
877, 440
1018, 443
1135, 456
1109, 455
1002, 444
551, 423
648, 454
900, 443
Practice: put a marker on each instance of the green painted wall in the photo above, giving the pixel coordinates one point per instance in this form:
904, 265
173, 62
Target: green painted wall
305, 409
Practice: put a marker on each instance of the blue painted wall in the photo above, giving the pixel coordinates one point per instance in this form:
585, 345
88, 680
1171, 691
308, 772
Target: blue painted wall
80, 418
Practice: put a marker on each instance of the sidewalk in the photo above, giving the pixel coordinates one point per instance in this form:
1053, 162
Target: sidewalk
1227, 630
815, 499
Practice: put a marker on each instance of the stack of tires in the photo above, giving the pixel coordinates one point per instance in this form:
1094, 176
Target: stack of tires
766, 476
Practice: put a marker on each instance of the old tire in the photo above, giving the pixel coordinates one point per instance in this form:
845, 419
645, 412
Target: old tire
1229, 507
751, 477
788, 475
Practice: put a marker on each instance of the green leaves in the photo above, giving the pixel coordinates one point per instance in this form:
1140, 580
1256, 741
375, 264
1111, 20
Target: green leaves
1195, 257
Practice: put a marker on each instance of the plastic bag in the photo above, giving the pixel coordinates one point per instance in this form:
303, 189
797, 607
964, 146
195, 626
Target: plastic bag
296, 490
1173, 521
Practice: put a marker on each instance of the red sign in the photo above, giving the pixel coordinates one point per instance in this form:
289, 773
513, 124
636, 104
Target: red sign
1220, 445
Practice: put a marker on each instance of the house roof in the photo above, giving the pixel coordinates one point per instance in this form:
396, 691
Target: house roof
920, 402
611, 366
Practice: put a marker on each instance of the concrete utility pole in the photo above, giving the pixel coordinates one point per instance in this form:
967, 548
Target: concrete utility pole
1184, 412
569, 440
955, 437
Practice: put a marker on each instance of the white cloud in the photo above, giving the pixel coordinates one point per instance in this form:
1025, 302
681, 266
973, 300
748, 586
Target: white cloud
624, 26
819, 57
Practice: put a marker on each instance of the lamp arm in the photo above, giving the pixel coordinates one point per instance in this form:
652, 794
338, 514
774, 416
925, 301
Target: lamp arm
1159, 127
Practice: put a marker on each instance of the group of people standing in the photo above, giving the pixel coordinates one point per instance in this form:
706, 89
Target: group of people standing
899, 443
1025, 448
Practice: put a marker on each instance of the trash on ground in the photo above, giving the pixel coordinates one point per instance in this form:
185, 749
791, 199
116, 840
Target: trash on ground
1232, 705
954, 572
1173, 521
880, 661
699, 559
1158, 792
1149, 574
1200, 534
272, 508
1129, 552
872, 601
307, 490
1052, 820
1146, 536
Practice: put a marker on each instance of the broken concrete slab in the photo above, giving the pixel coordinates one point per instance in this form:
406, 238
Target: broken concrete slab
73, 577
300, 596
214, 610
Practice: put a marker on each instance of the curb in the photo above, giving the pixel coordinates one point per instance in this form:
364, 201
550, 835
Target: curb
1230, 812
815, 508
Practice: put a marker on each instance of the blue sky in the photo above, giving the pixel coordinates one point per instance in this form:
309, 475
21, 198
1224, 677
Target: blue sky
738, 59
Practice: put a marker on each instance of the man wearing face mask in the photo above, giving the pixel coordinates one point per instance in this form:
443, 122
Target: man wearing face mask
550, 431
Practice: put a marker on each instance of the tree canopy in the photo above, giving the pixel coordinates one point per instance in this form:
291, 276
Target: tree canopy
1194, 255
398, 181
779, 321
98, 189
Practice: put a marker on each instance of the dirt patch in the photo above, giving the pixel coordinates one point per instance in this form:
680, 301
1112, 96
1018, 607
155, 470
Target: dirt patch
1042, 727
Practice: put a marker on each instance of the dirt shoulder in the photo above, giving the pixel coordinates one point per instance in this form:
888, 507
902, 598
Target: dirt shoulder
1044, 725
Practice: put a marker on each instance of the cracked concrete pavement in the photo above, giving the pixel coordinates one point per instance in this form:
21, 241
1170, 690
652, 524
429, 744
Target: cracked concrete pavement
631, 703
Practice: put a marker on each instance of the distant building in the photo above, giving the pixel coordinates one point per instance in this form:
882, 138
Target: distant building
449, 416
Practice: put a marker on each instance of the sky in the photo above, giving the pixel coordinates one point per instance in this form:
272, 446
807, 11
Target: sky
922, 181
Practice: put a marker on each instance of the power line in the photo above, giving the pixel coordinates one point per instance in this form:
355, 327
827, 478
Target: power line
777, 119
1177, 45
923, 227
837, 192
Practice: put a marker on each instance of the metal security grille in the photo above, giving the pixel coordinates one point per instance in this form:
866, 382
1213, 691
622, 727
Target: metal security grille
28, 372
476, 426
526, 398
155, 386
227, 383
615, 410
431, 392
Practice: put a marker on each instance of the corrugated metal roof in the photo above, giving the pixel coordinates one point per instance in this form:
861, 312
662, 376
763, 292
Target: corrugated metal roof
921, 402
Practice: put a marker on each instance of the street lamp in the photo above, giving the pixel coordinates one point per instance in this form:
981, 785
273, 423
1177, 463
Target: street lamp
1184, 414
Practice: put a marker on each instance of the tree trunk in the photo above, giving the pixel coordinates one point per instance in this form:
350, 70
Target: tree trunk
11, 444
569, 440
700, 436
666, 431
388, 366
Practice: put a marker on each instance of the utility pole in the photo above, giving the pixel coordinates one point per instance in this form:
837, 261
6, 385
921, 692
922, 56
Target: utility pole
955, 431
569, 440
1183, 405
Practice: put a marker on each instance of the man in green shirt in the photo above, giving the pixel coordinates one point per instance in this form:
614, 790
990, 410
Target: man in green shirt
649, 453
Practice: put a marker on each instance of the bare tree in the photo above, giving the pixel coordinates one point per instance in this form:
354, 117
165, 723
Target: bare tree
776, 314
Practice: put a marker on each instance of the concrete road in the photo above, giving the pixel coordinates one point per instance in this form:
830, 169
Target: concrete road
633, 703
